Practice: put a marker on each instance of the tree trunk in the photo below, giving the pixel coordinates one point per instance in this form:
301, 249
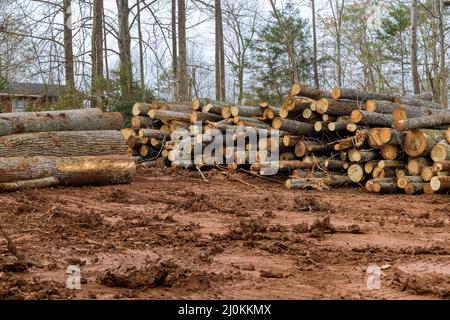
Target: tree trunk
126, 67
64, 171
220, 53
442, 48
141, 51
68, 45
315, 67
183, 78
97, 54
414, 67
174, 51
371, 119
68, 120
63, 143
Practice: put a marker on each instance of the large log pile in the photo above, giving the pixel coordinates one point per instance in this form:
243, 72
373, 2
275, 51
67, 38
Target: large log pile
382, 142
63, 148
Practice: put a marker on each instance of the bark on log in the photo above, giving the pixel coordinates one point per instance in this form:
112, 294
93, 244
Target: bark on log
203, 117
292, 126
427, 173
247, 111
70, 120
138, 122
423, 122
371, 119
317, 183
356, 155
369, 166
65, 171
415, 166
63, 143
411, 101
169, 115
414, 188
398, 111
442, 166
338, 126
336, 107
382, 185
360, 95
291, 141
440, 184
308, 91
382, 164
402, 182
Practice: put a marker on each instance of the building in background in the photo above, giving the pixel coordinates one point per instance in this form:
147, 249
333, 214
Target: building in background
17, 97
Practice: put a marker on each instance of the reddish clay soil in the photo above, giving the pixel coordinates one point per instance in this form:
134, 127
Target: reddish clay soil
170, 235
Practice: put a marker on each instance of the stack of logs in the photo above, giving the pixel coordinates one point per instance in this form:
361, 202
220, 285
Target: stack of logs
62, 148
384, 142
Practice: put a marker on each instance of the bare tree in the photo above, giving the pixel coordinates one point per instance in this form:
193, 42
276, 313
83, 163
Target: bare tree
443, 73
174, 50
97, 52
68, 45
314, 31
337, 9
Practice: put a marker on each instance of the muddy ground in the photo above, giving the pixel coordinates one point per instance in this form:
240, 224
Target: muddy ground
170, 235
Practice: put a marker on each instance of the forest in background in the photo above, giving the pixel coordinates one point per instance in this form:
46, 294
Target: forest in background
117, 52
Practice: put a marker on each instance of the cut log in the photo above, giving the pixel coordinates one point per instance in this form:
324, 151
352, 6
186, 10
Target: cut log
356, 155
383, 173
317, 183
378, 137
138, 122
246, 111
427, 188
352, 142
382, 185
371, 119
69, 120
291, 141
142, 109
64, 143
360, 95
221, 110
336, 107
441, 151
440, 184
389, 152
442, 166
308, 91
398, 111
292, 126
134, 142
369, 166
423, 122
169, 115
403, 113
414, 188
339, 126
203, 117
334, 164
64, 171
382, 164
128, 132
418, 143
321, 126
356, 173
415, 166
402, 182
427, 173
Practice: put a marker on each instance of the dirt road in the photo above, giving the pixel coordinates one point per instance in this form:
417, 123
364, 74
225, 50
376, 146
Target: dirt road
170, 235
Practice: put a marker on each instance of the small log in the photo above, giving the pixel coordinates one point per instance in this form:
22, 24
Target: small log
308, 91
317, 183
203, 117
371, 119
440, 151
169, 115
427, 173
411, 101
339, 125
321, 126
389, 152
402, 182
440, 184
427, 188
247, 111
138, 122
291, 141
292, 126
360, 95
142, 109
134, 142
442, 166
415, 166
383, 173
403, 113
334, 164
356, 155
414, 188
382, 185
336, 107
356, 173
369, 166
352, 142
382, 164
